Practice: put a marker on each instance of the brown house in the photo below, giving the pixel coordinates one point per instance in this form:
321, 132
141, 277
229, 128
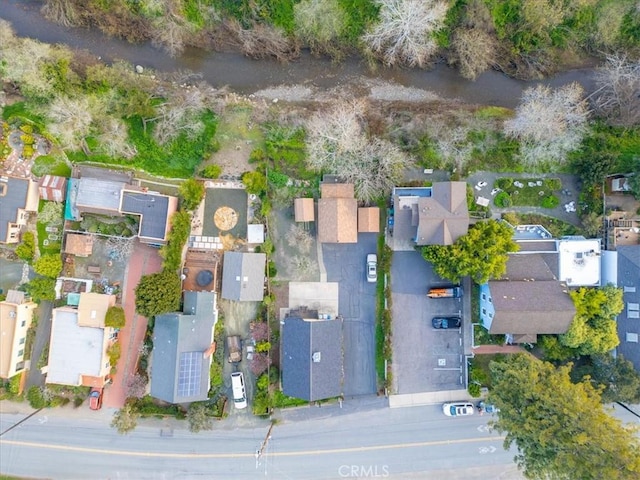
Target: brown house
337, 213
78, 244
443, 217
369, 219
528, 301
303, 209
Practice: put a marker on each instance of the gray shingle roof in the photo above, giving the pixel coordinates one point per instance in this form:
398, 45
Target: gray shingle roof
152, 208
99, 194
301, 376
628, 279
444, 216
243, 276
530, 307
14, 198
179, 334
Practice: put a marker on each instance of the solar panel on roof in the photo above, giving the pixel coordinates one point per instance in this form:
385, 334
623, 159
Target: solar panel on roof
189, 374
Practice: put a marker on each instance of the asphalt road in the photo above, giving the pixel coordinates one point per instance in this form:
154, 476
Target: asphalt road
416, 442
345, 263
43, 334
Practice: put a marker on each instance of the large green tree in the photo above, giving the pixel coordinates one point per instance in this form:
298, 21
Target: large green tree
125, 420
593, 329
41, 288
115, 317
615, 375
482, 253
158, 293
560, 428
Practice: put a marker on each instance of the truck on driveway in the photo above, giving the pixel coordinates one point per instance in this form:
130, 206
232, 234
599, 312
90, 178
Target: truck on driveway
445, 292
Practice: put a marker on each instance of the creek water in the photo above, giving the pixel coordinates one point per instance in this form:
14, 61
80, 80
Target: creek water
244, 75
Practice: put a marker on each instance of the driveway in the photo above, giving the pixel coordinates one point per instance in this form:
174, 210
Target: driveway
569, 182
43, 333
424, 359
345, 264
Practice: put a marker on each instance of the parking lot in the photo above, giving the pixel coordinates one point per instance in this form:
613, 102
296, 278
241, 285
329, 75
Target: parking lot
425, 359
345, 263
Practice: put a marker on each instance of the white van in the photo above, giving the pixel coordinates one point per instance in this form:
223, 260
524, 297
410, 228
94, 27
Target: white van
237, 386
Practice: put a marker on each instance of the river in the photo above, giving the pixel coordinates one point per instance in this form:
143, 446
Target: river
244, 75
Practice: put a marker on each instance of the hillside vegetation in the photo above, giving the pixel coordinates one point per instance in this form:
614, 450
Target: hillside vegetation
523, 38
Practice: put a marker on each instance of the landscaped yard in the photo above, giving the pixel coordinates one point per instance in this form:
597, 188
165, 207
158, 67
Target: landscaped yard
527, 192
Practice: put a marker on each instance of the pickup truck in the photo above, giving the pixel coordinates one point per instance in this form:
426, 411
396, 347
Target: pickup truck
234, 348
445, 292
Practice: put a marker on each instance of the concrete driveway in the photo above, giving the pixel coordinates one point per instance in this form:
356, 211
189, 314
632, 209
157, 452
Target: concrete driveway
424, 359
345, 264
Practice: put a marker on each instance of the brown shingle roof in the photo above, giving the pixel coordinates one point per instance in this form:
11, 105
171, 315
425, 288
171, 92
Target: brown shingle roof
337, 190
444, 216
78, 244
531, 307
303, 208
337, 214
369, 219
337, 220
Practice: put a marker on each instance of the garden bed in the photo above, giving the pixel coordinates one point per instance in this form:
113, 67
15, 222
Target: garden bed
526, 192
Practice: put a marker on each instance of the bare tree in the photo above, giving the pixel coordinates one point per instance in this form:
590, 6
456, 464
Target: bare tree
263, 40
120, 248
198, 417
299, 238
618, 95
62, 12
549, 123
180, 114
337, 143
137, 386
114, 138
404, 31
71, 120
475, 51
171, 31
301, 266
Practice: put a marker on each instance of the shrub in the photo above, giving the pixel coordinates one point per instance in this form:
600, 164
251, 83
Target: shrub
211, 171
115, 317
263, 347
504, 182
36, 398
553, 184
114, 352
272, 271
26, 249
474, 390
503, 199
550, 201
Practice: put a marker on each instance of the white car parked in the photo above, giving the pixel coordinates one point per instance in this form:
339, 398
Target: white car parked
458, 409
372, 268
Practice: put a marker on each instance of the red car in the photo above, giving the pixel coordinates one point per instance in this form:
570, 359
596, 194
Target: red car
95, 399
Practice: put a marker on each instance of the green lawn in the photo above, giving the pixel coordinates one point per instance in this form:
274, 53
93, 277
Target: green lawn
523, 192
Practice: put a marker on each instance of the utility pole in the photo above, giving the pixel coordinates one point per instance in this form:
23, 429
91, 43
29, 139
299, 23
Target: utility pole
260, 451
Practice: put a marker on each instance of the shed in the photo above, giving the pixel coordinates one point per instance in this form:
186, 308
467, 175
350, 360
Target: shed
368, 219
303, 209
52, 188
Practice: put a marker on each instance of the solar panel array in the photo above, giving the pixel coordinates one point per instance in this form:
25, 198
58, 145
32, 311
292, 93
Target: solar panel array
189, 374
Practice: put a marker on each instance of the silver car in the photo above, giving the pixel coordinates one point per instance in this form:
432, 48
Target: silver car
372, 268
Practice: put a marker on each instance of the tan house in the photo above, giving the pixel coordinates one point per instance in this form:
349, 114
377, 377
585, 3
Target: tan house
337, 213
79, 342
443, 217
16, 313
78, 244
368, 220
303, 210
18, 197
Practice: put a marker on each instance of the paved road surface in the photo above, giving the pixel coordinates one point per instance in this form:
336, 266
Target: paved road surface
43, 334
416, 442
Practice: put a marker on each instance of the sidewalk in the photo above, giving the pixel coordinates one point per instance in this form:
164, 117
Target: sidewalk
143, 261
429, 398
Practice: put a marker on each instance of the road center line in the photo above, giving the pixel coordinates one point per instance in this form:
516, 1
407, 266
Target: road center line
331, 451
